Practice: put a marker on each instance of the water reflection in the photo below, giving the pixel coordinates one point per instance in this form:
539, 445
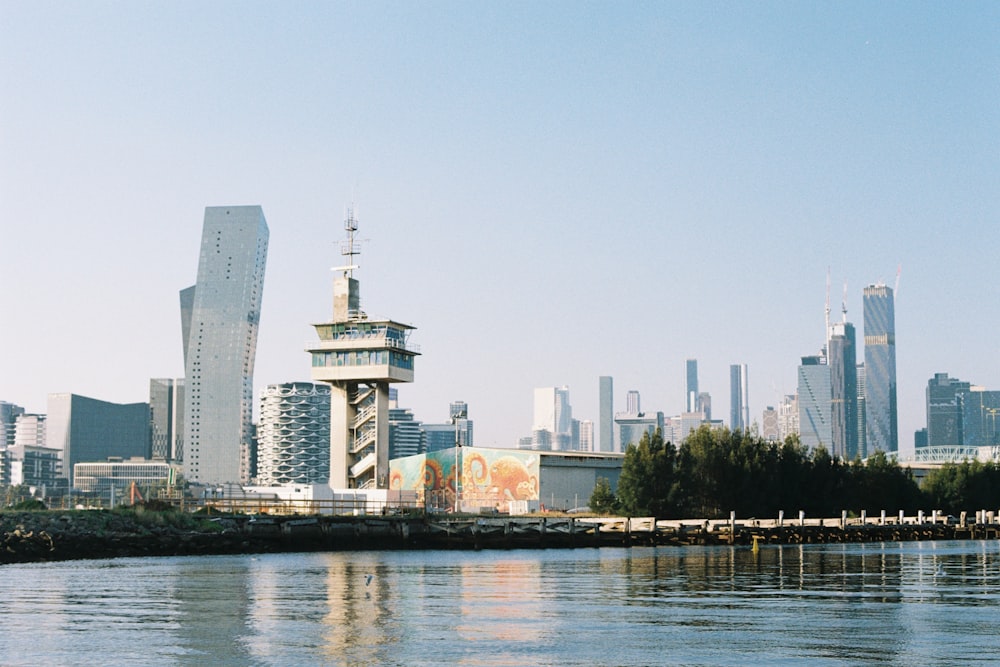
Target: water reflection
891, 603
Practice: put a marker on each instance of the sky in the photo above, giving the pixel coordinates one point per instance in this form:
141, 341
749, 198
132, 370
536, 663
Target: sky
549, 192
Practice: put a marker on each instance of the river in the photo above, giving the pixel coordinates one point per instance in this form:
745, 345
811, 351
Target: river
911, 603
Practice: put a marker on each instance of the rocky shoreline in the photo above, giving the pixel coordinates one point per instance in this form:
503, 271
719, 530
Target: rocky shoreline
39, 536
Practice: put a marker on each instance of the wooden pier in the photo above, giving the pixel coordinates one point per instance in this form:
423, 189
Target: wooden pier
503, 532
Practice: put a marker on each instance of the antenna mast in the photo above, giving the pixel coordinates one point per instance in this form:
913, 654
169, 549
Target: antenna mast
827, 332
349, 248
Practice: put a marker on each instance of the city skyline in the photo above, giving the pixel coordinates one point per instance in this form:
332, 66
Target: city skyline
644, 186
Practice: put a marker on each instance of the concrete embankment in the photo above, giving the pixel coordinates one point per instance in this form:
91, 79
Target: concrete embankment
52, 535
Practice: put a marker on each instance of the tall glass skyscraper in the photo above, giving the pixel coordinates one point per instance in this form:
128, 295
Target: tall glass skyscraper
692, 386
880, 369
606, 408
844, 391
219, 319
814, 403
739, 403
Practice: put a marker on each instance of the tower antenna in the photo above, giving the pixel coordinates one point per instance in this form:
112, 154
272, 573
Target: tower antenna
349, 248
895, 292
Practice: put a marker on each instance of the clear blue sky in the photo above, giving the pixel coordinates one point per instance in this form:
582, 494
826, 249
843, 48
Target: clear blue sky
551, 191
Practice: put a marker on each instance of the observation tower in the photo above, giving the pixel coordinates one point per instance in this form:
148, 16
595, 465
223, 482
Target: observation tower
359, 357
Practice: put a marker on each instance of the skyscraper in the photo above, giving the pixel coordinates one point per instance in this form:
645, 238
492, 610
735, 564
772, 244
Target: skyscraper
554, 414
946, 398
166, 419
359, 357
606, 408
880, 369
843, 391
632, 404
814, 403
692, 386
219, 318
739, 401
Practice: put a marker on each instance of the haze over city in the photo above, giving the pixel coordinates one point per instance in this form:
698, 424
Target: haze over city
548, 193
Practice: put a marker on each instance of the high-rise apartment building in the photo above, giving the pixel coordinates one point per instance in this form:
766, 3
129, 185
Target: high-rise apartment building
843, 391
814, 403
219, 319
881, 426
606, 416
359, 357
739, 401
862, 404
769, 424
166, 419
692, 386
293, 434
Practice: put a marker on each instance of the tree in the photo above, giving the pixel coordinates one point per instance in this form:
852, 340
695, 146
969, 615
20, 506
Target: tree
647, 480
603, 499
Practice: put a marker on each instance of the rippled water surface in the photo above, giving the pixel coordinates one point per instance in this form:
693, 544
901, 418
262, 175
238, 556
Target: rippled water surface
915, 603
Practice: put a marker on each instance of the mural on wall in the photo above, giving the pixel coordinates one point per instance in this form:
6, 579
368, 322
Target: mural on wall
489, 479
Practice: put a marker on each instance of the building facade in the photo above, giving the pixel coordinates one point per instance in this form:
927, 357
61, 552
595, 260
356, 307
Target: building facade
945, 407
606, 416
220, 316
293, 434
691, 366
166, 419
881, 422
739, 397
843, 391
88, 430
814, 403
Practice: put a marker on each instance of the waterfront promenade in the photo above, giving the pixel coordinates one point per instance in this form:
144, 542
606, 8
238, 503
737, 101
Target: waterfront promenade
51, 536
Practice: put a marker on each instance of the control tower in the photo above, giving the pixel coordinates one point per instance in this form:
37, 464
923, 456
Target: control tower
359, 357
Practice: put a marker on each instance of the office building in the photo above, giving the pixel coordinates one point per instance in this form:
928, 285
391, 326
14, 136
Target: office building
8, 419
980, 423
739, 397
219, 318
293, 434
945, 407
406, 434
87, 430
814, 403
842, 362
359, 357
632, 403
788, 416
553, 413
631, 427
586, 435
705, 403
606, 416
769, 424
692, 386
881, 425
166, 419
862, 436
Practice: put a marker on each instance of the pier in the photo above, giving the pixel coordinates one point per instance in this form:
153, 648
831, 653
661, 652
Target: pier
51, 536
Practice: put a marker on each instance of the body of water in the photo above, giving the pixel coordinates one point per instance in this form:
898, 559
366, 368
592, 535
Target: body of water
913, 603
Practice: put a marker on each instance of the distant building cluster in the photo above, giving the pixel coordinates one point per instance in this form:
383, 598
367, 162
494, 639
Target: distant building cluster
343, 427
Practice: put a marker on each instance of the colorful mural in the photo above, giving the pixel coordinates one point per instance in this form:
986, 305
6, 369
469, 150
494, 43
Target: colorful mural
489, 479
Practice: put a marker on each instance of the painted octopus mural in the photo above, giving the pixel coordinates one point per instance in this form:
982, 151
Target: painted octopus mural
489, 478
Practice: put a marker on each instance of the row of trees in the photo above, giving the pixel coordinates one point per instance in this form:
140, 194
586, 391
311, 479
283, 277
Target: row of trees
716, 471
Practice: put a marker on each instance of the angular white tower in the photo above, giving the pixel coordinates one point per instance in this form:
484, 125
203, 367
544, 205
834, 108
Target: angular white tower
359, 357
219, 320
